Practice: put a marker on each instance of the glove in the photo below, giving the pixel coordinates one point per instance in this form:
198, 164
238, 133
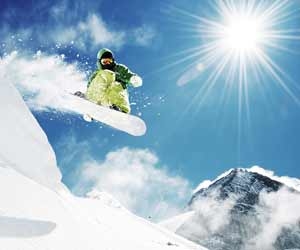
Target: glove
136, 81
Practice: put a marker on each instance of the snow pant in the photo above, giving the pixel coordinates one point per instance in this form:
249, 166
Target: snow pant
105, 91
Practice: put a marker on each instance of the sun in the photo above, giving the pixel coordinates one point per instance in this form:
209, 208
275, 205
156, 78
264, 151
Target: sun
240, 54
242, 33
237, 41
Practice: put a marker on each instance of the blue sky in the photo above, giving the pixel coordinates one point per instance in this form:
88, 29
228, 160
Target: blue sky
194, 136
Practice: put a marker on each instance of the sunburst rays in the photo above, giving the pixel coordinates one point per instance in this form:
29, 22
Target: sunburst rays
237, 43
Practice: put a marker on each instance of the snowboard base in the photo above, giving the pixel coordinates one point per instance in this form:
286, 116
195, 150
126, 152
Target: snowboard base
130, 124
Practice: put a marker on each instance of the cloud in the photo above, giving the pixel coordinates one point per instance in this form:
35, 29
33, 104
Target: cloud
82, 28
44, 80
288, 181
100, 33
94, 32
275, 215
64, 36
211, 216
71, 151
85, 35
144, 35
275, 211
134, 177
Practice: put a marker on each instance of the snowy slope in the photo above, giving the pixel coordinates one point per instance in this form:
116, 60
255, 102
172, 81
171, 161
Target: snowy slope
38, 212
23, 145
38, 218
176, 222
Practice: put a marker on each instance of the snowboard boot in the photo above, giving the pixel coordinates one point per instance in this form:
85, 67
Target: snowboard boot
87, 118
79, 94
115, 107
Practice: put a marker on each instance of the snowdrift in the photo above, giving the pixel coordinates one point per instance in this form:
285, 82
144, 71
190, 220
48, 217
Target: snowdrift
23, 144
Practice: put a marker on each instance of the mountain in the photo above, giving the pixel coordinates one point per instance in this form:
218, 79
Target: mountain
242, 210
37, 211
244, 185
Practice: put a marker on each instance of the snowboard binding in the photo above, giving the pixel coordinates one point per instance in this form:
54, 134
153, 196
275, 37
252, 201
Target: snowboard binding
117, 108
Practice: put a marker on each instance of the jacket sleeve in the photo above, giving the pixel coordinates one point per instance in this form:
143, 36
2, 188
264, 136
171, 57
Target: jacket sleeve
125, 76
92, 78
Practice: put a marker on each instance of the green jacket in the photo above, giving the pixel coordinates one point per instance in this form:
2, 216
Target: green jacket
123, 74
107, 87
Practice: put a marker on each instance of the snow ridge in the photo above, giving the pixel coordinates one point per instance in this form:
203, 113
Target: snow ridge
286, 180
23, 145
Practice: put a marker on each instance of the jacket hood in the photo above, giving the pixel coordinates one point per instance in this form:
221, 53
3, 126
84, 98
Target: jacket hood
101, 53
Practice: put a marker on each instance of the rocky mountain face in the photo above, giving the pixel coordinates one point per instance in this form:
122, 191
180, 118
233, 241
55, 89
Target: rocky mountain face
241, 211
245, 186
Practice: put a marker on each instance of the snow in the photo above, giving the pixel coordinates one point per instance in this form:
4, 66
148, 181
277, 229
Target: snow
43, 79
38, 212
207, 183
23, 145
59, 220
18, 227
288, 181
175, 222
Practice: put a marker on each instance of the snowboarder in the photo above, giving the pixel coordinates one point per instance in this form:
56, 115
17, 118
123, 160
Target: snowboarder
108, 84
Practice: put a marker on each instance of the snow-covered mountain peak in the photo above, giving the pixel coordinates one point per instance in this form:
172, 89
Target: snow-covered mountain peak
241, 210
240, 183
290, 182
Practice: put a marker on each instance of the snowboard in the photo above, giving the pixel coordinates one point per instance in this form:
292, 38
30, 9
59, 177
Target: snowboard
130, 124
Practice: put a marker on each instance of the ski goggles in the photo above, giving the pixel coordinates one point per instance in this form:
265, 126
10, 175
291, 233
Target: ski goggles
105, 61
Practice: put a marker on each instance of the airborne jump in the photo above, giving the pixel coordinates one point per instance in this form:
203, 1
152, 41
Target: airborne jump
107, 87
